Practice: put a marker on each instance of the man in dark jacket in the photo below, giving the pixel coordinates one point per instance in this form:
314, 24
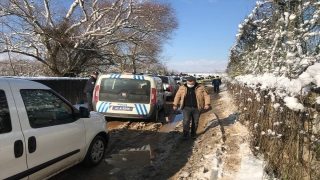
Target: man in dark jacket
216, 82
88, 89
193, 98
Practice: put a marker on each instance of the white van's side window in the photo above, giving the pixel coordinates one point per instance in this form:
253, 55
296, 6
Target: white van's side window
45, 109
5, 120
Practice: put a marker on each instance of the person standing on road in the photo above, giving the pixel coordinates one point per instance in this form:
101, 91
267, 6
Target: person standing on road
88, 89
193, 98
216, 82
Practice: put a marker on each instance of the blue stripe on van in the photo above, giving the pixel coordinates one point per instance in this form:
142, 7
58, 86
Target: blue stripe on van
115, 76
104, 107
138, 111
145, 109
142, 110
138, 77
101, 106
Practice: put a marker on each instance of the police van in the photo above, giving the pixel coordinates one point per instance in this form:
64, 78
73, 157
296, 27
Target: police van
129, 96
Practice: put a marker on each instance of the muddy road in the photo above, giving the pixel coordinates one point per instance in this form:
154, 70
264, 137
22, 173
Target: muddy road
140, 150
133, 146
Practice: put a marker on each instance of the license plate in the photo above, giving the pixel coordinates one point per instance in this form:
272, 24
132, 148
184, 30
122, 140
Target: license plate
122, 108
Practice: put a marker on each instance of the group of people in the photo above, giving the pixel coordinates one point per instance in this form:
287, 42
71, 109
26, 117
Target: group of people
192, 98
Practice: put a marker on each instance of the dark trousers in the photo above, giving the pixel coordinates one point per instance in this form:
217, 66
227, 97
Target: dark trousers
193, 114
216, 88
89, 99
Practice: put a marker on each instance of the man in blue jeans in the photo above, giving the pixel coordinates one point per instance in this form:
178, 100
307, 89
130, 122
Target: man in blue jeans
193, 98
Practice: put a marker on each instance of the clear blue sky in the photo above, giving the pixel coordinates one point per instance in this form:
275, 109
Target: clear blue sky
206, 32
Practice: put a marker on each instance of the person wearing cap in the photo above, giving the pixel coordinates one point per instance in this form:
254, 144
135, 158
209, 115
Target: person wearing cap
193, 98
88, 89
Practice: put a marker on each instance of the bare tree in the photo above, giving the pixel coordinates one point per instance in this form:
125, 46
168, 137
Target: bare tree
15, 66
70, 41
144, 45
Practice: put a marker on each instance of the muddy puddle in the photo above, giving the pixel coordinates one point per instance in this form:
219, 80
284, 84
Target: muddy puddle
132, 157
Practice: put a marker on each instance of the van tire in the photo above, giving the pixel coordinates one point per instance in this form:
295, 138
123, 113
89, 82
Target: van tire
155, 115
95, 152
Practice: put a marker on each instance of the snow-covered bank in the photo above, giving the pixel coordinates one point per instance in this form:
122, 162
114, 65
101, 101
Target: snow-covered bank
280, 112
283, 87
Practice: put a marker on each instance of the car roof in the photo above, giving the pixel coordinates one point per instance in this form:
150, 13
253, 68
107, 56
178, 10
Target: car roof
16, 82
129, 76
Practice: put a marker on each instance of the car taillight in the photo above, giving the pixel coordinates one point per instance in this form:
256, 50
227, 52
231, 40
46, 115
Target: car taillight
95, 93
153, 96
170, 88
169, 118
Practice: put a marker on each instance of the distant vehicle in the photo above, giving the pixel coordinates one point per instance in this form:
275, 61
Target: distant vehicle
129, 96
42, 134
182, 80
176, 78
170, 86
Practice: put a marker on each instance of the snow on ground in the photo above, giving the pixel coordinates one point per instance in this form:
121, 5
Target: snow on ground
251, 166
213, 158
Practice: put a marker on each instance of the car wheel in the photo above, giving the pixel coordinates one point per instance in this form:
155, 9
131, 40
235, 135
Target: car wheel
95, 152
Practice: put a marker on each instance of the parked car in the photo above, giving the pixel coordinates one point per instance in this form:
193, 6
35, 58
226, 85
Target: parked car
176, 78
181, 81
129, 96
170, 85
42, 134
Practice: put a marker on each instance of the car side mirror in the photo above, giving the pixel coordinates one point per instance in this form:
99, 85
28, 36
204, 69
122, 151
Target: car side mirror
84, 112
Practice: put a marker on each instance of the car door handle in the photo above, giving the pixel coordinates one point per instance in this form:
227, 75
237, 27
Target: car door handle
32, 144
18, 148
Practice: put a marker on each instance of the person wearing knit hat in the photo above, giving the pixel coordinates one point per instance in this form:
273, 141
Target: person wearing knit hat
193, 98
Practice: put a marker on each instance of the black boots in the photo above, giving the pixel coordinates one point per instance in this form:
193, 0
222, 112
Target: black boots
185, 135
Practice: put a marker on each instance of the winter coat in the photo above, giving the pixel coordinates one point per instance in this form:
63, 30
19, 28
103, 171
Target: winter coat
203, 98
90, 85
216, 82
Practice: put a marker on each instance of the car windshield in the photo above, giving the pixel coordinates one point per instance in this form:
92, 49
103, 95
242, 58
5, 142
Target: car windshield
125, 90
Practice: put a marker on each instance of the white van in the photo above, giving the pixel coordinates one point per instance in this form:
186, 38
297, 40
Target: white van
42, 134
129, 96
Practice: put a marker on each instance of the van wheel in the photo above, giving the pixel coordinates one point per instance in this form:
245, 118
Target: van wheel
95, 152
